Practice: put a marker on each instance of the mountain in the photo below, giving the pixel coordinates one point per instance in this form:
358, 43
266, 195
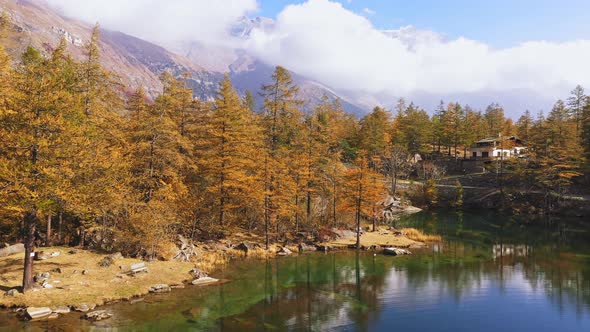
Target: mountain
138, 62
249, 73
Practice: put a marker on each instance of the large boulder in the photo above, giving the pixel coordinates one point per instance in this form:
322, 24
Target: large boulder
38, 312
196, 273
41, 255
344, 233
307, 247
110, 259
106, 262
97, 315
62, 310
246, 247
12, 292
81, 308
160, 288
204, 281
396, 252
13, 249
41, 278
284, 251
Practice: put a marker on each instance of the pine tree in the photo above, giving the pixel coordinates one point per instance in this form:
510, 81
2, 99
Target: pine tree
523, 126
157, 163
586, 130
363, 189
249, 101
313, 155
374, 133
473, 126
437, 126
451, 127
396, 163
495, 120
281, 121
556, 153
228, 156
37, 150
412, 129
576, 104
101, 141
178, 99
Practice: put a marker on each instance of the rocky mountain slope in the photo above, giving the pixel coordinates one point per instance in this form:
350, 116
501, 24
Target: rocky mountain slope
138, 62
135, 61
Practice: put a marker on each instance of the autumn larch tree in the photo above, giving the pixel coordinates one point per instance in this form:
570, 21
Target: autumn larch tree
228, 154
157, 162
363, 189
36, 151
576, 104
281, 121
495, 119
556, 153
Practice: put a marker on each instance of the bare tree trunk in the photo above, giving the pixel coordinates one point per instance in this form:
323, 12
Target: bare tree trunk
374, 206
48, 239
297, 212
222, 191
82, 237
334, 198
374, 216
308, 210
30, 225
358, 212
266, 201
266, 220
59, 225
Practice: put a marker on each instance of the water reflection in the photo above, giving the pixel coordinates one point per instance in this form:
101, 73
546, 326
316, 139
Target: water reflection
482, 272
489, 273
503, 250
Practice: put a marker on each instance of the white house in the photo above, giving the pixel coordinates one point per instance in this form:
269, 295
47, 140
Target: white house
501, 147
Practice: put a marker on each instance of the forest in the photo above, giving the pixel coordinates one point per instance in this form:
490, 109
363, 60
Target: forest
84, 161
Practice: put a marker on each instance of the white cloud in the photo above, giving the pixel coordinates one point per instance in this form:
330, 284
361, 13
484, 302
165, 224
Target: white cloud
160, 21
369, 11
323, 40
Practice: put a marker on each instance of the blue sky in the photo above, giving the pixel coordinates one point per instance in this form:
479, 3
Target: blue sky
501, 59
500, 23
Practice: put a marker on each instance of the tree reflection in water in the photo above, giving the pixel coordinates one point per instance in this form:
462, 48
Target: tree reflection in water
486, 264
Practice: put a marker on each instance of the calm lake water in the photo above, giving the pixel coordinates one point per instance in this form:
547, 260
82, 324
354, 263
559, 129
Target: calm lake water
490, 273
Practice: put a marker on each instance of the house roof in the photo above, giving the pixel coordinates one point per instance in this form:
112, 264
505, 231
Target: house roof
488, 140
497, 139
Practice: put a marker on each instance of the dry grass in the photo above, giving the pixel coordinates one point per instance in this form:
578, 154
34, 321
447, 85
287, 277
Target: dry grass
381, 237
98, 286
209, 261
101, 285
416, 235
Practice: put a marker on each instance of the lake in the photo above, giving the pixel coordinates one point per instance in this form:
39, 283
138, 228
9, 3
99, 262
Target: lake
491, 272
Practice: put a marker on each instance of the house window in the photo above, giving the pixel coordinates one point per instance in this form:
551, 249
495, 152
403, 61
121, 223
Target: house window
474, 154
485, 154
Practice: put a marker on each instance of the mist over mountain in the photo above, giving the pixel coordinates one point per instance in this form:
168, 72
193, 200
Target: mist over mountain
138, 62
329, 49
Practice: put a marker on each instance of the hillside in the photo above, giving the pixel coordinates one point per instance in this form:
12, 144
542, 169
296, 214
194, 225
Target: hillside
139, 63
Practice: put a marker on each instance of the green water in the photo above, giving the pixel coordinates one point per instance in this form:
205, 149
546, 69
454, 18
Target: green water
490, 273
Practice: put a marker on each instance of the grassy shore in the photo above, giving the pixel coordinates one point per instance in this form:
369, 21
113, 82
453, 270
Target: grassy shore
97, 285
383, 237
77, 278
